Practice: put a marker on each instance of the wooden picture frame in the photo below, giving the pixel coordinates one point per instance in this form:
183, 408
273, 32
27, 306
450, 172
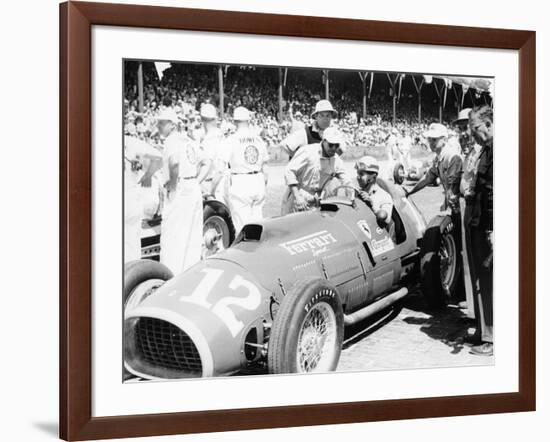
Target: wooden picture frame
76, 21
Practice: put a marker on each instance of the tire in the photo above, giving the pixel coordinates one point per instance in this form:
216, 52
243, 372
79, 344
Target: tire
137, 273
311, 298
439, 284
217, 219
399, 174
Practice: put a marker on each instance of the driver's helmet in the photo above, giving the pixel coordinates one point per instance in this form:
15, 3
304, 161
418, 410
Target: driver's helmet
367, 164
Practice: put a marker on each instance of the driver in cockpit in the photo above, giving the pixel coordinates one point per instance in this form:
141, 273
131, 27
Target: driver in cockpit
371, 193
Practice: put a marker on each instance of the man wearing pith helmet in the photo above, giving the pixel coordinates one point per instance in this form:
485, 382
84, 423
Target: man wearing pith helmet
311, 169
370, 192
311, 133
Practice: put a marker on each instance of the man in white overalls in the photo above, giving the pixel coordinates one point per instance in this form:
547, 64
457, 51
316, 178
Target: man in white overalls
246, 155
184, 168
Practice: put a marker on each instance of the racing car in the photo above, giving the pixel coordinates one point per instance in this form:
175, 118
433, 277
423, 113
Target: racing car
282, 293
417, 169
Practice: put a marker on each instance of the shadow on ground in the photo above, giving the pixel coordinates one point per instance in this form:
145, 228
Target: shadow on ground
448, 325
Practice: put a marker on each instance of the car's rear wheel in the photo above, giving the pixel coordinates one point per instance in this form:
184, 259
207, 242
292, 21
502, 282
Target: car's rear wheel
308, 330
440, 262
218, 230
399, 174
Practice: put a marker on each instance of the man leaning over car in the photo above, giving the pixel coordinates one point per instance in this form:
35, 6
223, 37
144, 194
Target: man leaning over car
311, 169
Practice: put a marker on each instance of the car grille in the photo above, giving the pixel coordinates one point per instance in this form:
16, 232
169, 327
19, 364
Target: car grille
163, 345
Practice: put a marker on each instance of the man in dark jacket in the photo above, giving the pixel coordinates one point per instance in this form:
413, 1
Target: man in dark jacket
481, 128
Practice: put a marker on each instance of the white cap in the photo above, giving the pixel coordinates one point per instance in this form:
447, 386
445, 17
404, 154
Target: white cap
368, 164
333, 136
241, 114
208, 112
324, 106
168, 115
436, 130
463, 115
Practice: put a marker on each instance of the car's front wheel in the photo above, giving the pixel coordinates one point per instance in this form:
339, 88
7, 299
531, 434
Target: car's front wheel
308, 330
141, 279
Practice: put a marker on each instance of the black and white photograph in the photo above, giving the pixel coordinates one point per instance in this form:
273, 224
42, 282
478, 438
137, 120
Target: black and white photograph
293, 220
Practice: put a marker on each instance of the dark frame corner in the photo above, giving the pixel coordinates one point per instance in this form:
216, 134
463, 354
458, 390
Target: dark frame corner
76, 20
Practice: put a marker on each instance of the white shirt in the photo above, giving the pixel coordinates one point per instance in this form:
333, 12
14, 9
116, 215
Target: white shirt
212, 144
181, 150
381, 200
245, 152
310, 170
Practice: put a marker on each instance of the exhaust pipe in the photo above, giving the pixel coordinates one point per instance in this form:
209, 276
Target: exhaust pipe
375, 307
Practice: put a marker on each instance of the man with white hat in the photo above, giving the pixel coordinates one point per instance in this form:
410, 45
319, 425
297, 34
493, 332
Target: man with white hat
184, 168
310, 134
311, 169
245, 153
212, 141
447, 166
370, 192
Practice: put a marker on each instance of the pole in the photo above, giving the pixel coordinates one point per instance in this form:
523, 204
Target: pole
363, 76
440, 99
419, 106
365, 97
418, 88
393, 82
220, 90
140, 87
280, 95
327, 87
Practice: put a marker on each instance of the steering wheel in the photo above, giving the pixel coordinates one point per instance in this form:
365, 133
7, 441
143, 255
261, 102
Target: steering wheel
343, 186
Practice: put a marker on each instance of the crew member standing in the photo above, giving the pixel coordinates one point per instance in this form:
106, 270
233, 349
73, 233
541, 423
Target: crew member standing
447, 166
212, 143
246, 157
311, 169
481, 127
184, 168
310, 134
470, 155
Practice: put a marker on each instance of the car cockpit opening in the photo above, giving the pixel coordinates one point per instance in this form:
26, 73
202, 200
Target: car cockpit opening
250, 232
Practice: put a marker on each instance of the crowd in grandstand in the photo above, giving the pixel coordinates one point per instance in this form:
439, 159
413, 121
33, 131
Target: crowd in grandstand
186, 87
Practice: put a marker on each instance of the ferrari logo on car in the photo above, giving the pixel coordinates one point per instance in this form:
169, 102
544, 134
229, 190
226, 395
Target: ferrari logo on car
364, 226
317, 243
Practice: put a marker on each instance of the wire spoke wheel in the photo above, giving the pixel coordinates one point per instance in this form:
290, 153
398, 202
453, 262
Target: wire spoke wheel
447, 260
317, 339
215, 235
